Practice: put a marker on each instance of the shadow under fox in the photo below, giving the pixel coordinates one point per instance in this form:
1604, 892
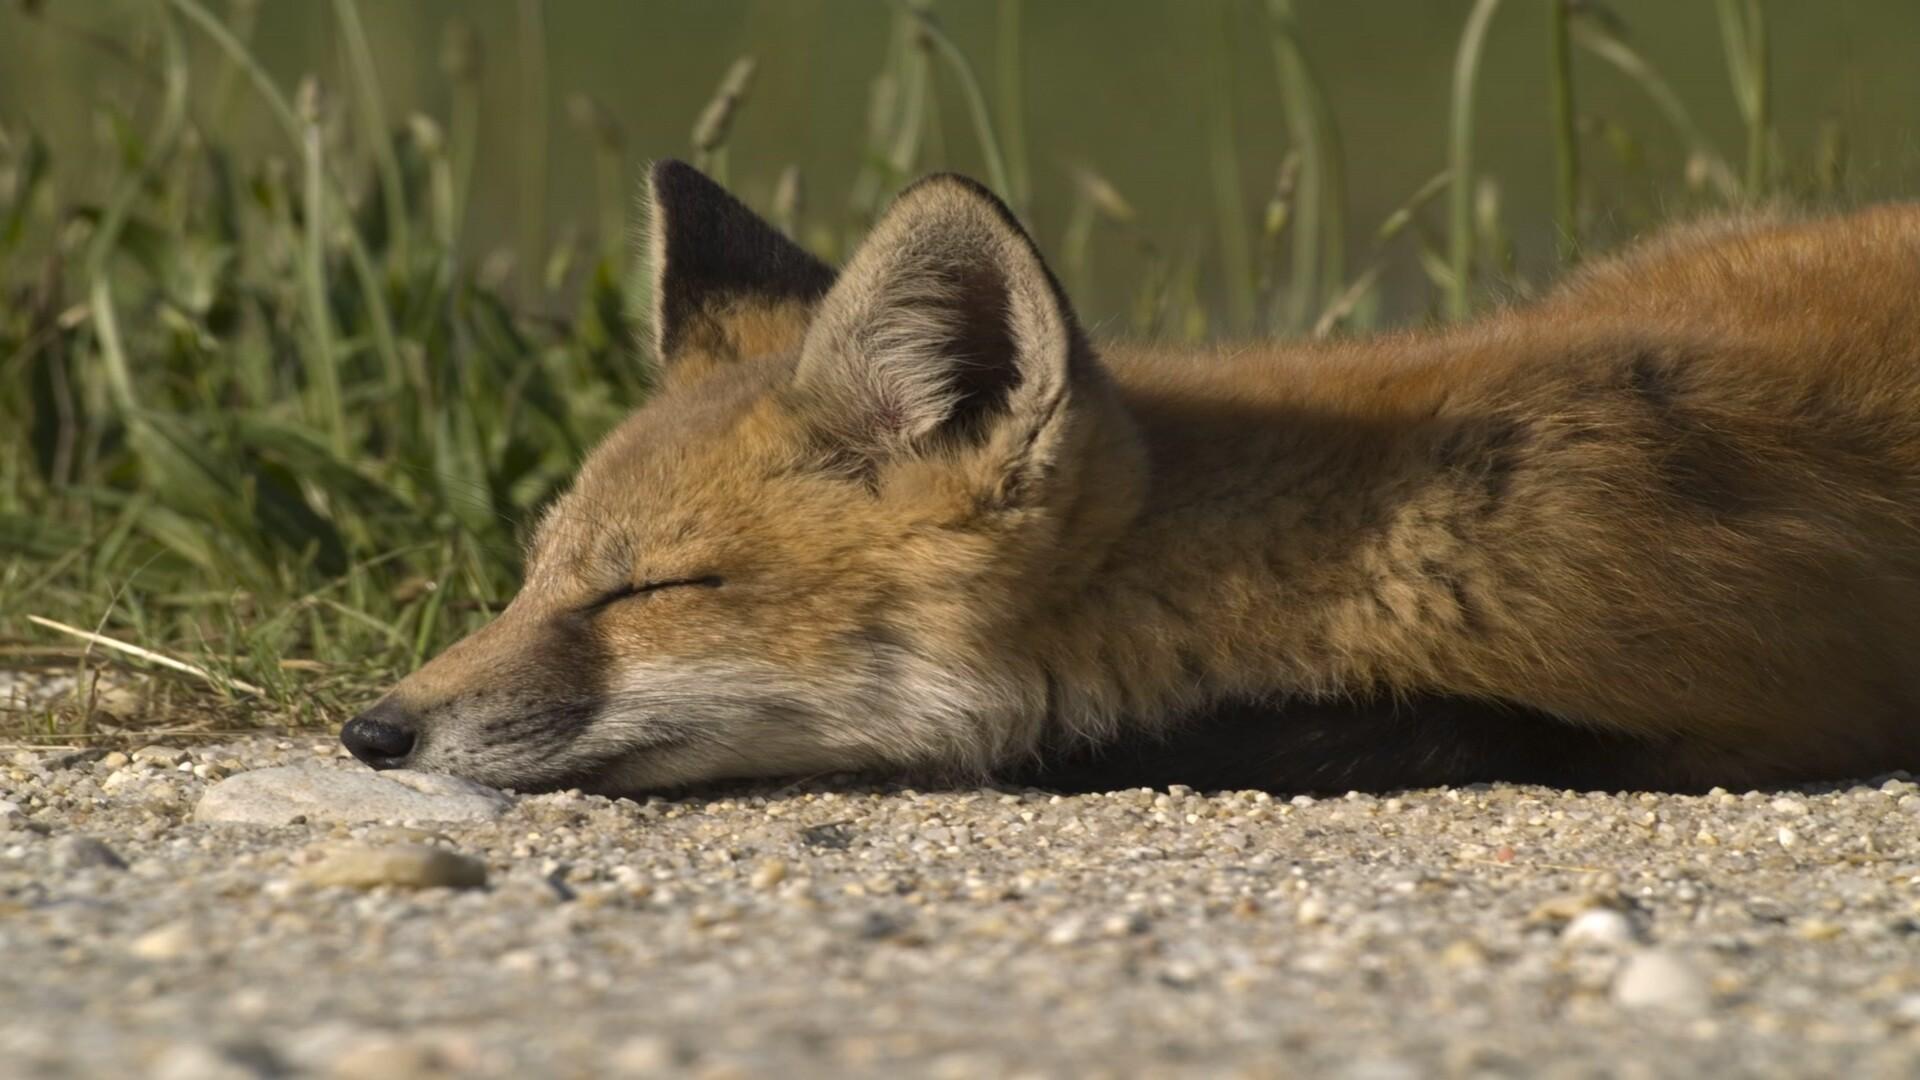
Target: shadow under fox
1660, 529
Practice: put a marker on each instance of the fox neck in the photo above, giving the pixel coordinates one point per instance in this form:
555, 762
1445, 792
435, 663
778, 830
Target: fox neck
1311, 544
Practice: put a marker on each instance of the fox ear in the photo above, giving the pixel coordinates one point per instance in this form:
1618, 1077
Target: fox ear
945, 325
726, 285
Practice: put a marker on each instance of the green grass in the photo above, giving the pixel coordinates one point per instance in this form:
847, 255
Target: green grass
261, 411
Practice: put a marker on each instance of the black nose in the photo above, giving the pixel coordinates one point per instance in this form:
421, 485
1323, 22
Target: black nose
381, 736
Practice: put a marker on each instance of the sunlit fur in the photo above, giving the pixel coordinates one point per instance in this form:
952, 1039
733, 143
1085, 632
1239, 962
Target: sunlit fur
1679, 498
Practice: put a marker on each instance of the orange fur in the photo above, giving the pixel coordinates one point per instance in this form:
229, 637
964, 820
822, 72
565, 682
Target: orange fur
1677, 501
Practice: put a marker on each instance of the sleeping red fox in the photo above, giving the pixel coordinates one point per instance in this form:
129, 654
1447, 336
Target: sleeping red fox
1661, 529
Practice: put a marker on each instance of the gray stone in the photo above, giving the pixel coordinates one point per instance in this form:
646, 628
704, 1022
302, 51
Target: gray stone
317, 793
77, 852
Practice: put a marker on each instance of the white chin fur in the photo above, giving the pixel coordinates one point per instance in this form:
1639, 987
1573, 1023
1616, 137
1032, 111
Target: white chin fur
743, 719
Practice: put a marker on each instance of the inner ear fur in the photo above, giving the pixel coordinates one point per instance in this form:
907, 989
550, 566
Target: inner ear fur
727, 286
946, 326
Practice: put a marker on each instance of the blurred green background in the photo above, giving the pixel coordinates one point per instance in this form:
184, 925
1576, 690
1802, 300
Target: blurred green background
306, 308
1123, 86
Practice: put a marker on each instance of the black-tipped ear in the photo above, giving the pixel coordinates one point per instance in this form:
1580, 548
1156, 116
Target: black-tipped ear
945, 324
726, 285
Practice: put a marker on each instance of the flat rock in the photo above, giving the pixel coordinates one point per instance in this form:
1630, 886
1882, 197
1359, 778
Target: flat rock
317, 793
410, 866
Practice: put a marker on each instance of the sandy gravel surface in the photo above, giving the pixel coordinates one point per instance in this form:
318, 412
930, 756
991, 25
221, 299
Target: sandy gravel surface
859, 930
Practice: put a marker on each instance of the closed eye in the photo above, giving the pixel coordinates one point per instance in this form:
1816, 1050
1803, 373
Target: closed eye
628, 592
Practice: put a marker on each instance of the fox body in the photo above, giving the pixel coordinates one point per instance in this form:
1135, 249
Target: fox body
1659, 529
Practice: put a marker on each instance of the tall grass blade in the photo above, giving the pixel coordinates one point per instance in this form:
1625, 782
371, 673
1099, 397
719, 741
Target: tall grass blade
887, 111
910, 123
322, 361
1743, 31
1603, 41
995, 162
1566, 136
28, 165
379, 133
146, 654
290, 124
789, 200
106, 323
610, 193
245, 15
1403, 215
1237, 278
1013, 105
715, 125
1320, 200
1460, 234
460, 60
531, 27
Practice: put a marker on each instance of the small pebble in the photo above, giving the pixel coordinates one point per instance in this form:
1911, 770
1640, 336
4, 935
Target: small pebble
163, 756
769, 873
169, 942
385, 1057
1600, 928
412, 866
644, 1054
120, 778
1564, 909
1656, 979
1067, 931
199, 1061
77, 852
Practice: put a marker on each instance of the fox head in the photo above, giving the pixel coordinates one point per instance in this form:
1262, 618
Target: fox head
826, 541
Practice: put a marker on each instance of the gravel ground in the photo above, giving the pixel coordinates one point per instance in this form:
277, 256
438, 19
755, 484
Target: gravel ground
859, 930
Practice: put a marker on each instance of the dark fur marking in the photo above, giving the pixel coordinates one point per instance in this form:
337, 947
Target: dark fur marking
1472, 621
1381, 610
1506, 444
1053, 690
717, 251
1377, 743
1698, 466
1193, 669
1485, 455
554, 716
886, 645
1651, 379
1173, 606
981, 368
